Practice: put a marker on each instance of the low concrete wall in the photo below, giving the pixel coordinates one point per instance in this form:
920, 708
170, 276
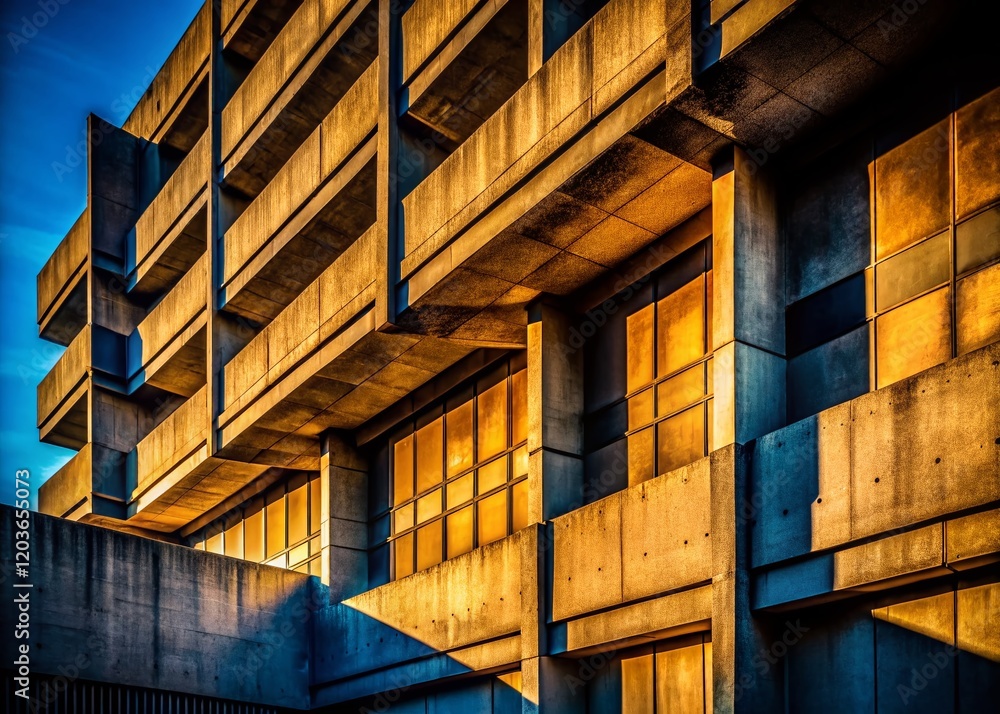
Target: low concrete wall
139, 612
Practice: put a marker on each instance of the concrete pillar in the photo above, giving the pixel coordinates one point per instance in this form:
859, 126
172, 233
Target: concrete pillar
748, 295
343, 516
555, 415
746, 673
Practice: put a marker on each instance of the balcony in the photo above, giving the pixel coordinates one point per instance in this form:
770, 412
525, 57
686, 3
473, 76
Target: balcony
630, 551
172, 479
892, 485
170, 235
94, 355
461, 616
62, 286
292, 88
317, 205
167, 350
554, 189
87, 487
250, 26
170, 110
320, 364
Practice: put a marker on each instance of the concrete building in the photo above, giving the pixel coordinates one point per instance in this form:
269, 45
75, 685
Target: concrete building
531, 356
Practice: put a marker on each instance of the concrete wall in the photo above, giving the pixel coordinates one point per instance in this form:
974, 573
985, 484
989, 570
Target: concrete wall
140, 612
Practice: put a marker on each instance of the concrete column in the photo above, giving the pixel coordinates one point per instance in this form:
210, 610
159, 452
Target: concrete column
746, 676
555, 415
748, 295
343, 516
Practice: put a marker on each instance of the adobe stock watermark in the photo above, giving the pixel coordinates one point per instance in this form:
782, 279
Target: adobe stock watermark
32, 24
768, 657
920, 678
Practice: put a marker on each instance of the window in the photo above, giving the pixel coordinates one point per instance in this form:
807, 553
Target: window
459, 474
669, 679
281, 527
669, 384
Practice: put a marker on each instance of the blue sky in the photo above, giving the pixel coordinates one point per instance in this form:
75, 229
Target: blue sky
59, 61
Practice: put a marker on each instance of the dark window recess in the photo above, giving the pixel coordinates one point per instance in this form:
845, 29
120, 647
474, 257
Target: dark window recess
826, 314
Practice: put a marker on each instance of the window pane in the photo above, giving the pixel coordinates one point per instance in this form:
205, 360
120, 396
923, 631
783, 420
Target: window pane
913, 271
640, 409
977, 241
315, 510
234, 540
275, 524
680, 439
492, 430
297, 554
639, 345
253, 535
520, 462
402, 467
640, 456
298, 514
429, 455
680, 391
913, 337
429, 506
519, 406
680, 680
637, 685
402, 518
520, 505
492, 475
316, 567
460, 532
429, 545
460, 491
402, 549
280, 562
459, 444
199, 545
680, 336
214, 543
978, 309
492, 516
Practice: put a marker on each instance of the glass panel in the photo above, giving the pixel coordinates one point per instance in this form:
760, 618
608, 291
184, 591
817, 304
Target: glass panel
429, 455
279, 562
913, 271
913, 337
519, 406
460, 532
429, 506
315, 546
977, 241
297, 554
298, 514
214, 543
253, 535
639, 345
199, 545
275, 524
492, 475
402, 466
640, 409
429, 545
680, 680
492, 517
680, 439
978, 310
316, 567
640, 456
680, 335
520, 462
402, 518
492, 428
680, 391
519, 495
234, 540
460, 491
637, 685
459, 444
402, 549
315, 510
304, 568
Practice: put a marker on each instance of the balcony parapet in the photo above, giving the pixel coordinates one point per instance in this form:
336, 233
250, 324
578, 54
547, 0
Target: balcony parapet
88, 485
62, 285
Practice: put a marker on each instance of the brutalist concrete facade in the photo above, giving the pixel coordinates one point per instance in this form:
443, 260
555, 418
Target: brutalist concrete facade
535, 356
